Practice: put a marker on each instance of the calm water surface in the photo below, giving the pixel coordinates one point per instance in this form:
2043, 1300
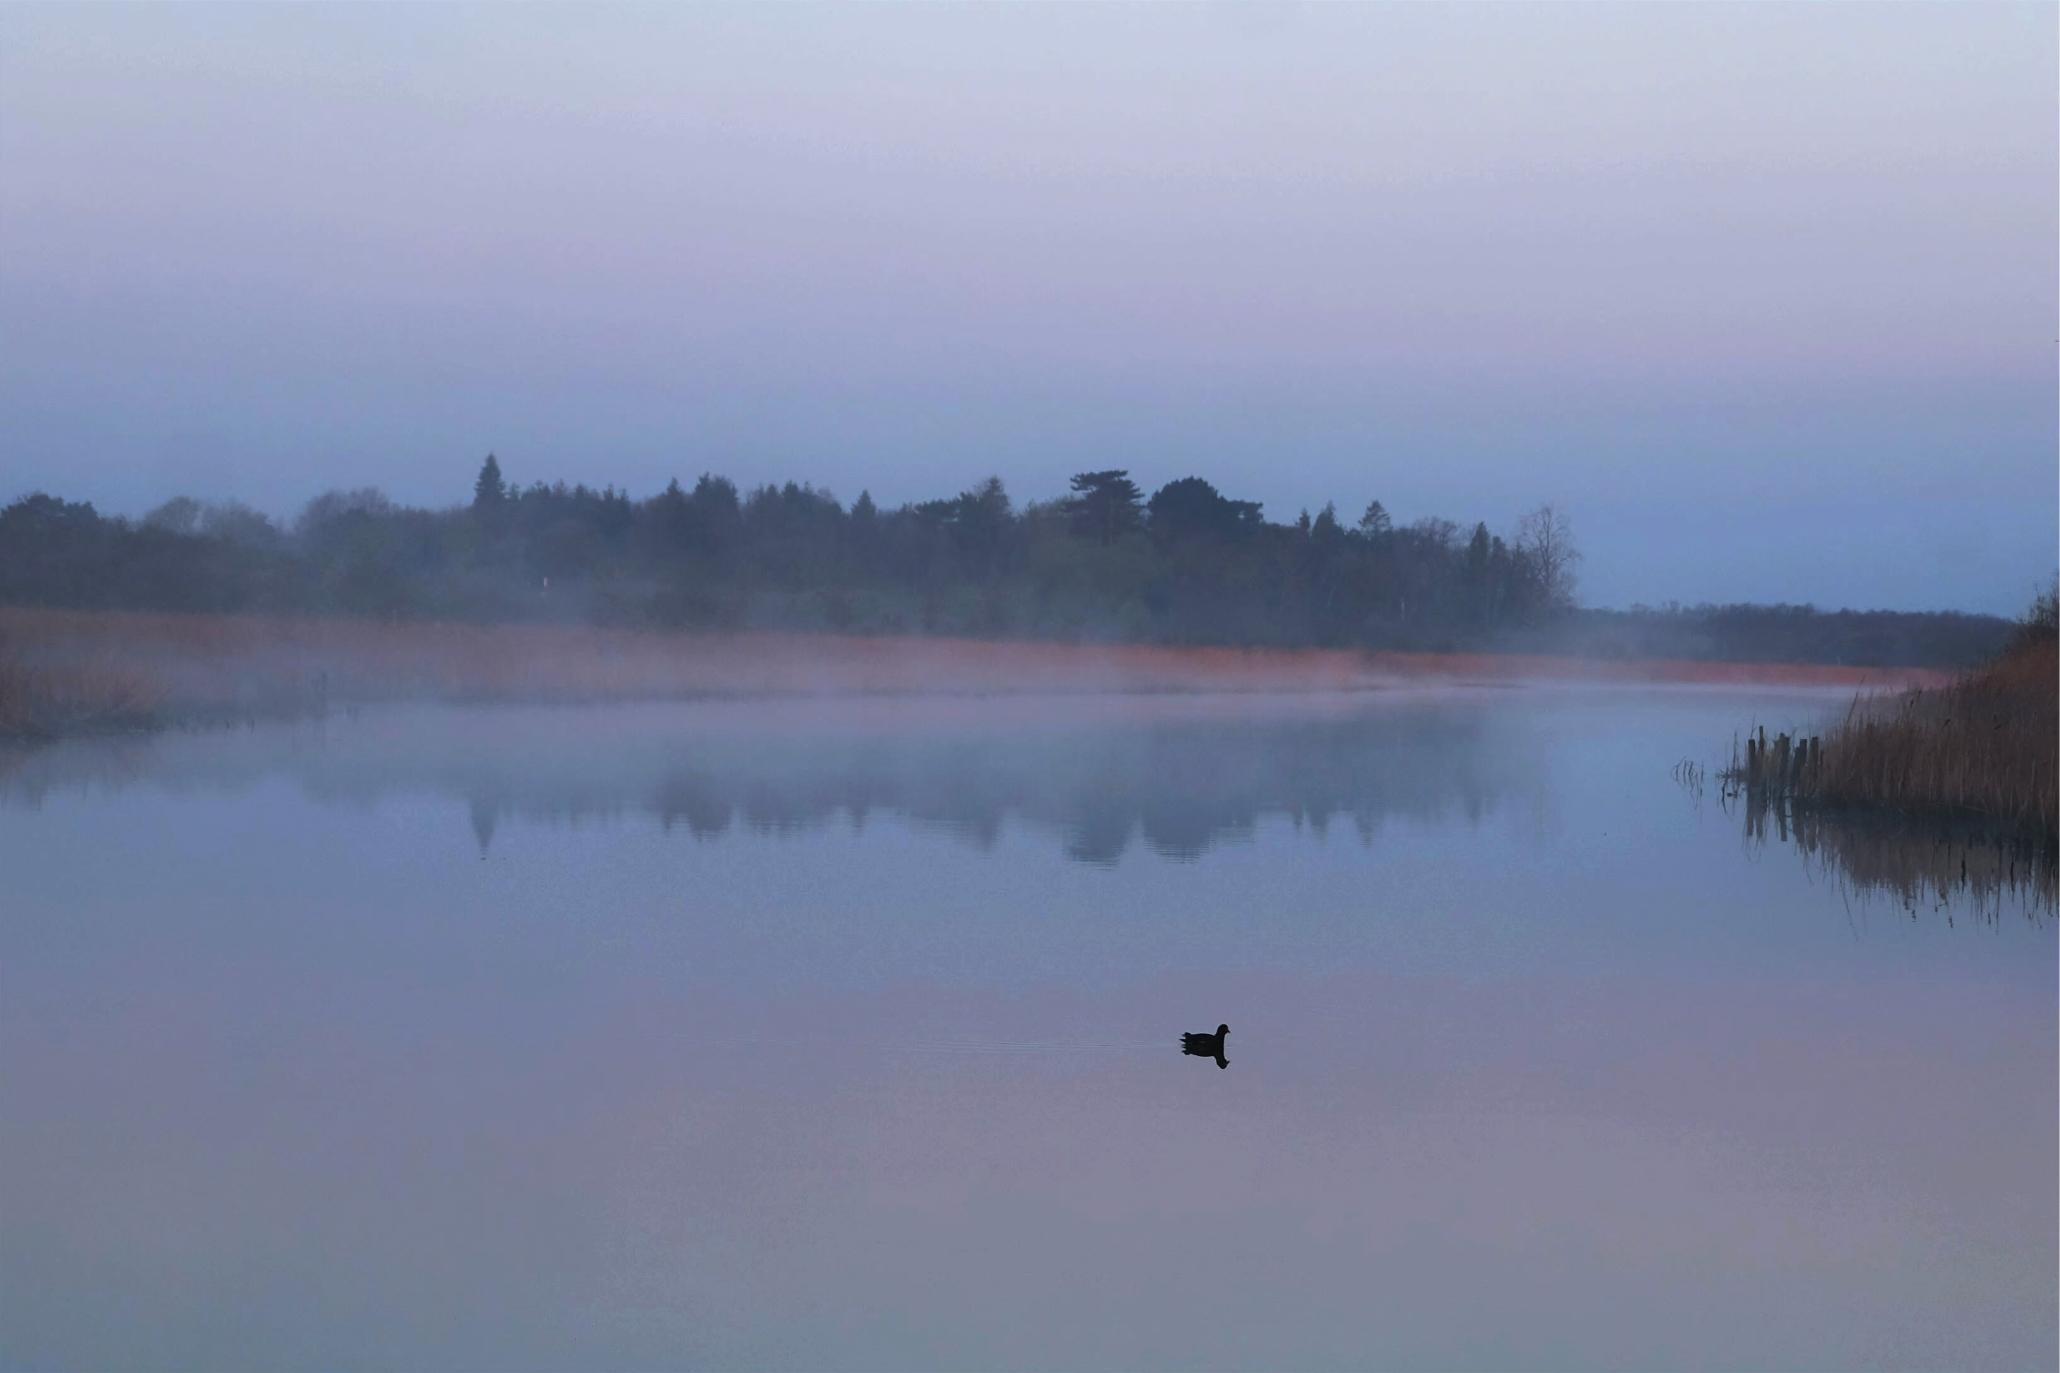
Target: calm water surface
843, 1035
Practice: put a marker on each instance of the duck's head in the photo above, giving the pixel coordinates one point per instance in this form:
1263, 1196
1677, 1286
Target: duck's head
1222, 1030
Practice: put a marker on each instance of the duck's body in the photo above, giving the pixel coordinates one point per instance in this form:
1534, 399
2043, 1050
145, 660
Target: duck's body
1207, 1045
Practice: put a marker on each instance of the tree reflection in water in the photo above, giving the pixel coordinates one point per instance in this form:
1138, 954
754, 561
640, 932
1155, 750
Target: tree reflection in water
1099, 775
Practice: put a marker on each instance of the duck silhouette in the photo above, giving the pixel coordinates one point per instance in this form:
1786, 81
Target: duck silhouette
1207, 1045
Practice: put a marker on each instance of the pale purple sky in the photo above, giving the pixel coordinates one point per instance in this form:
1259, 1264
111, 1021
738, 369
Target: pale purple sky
1764, 295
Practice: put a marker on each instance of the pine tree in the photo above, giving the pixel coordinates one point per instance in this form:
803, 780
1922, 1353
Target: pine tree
1104, 505
489, 492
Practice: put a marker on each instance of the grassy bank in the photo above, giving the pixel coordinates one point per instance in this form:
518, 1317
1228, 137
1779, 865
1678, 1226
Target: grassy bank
1981, 746
68, 670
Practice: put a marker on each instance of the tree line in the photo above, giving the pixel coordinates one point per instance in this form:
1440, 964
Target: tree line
1184, 565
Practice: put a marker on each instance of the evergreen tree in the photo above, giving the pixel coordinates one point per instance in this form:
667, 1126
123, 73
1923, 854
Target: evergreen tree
1326, 531
1191, 507
1104, 505
489, 492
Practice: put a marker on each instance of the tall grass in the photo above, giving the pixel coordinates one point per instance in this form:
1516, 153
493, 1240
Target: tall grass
89, 693
209, 666
95, 666
1982, 746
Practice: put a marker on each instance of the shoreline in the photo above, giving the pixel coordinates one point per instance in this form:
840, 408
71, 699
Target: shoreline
70, 672
1977, 749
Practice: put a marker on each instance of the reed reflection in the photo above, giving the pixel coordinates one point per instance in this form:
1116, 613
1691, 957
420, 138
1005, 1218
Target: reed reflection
1954, 870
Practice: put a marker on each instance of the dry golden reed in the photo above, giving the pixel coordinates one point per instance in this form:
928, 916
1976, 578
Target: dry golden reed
1982, 745
135, 668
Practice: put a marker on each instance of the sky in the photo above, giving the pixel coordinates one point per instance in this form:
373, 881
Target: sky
1766, 297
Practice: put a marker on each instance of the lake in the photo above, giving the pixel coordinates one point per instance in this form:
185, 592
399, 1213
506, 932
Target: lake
843, 1034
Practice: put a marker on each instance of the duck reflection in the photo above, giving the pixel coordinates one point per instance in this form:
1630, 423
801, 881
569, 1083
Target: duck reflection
1207, 1045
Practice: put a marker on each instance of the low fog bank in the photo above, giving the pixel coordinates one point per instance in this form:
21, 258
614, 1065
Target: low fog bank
1768, 634
72, 672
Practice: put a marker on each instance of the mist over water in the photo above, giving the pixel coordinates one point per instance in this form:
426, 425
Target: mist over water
824, 687
1177, 776
809, 1033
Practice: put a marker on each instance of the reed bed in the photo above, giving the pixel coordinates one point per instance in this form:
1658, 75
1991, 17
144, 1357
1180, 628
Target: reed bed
139, 668
90, 693
208, 666
1981, 746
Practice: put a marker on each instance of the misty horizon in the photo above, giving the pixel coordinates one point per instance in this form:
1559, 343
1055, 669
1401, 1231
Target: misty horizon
286, 519
1658, 266
661, 664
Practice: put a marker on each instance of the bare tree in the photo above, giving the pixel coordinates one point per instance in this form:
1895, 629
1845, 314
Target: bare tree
1545, 537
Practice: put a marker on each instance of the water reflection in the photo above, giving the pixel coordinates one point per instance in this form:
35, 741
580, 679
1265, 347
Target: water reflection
825, 1089
1206, 1045
1955, 870
1182, 776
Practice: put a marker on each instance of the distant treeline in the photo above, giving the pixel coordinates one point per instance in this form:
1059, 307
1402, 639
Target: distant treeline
1186, 565
1777, 634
